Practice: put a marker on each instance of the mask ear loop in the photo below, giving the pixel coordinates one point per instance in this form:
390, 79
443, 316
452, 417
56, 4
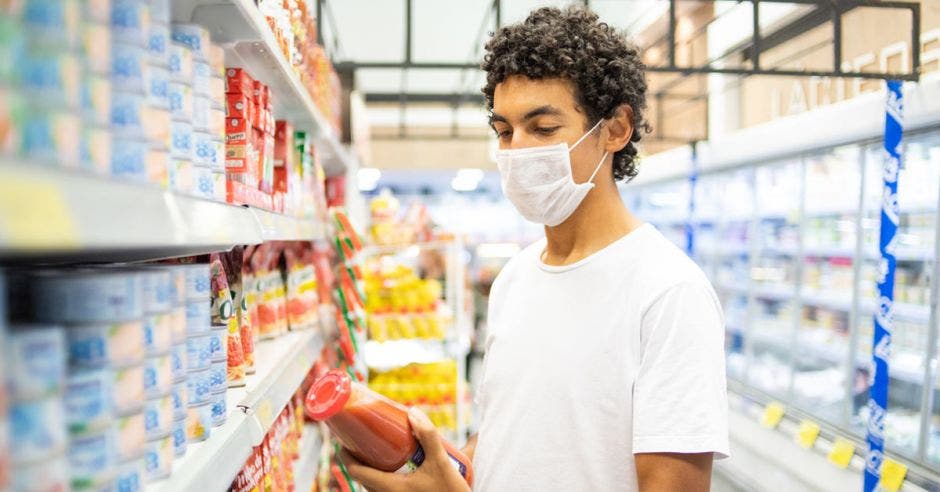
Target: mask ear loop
598, 168
586, 134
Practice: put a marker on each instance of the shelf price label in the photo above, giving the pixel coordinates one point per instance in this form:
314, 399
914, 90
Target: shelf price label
892, 475
808, 433
842, 452
773, 414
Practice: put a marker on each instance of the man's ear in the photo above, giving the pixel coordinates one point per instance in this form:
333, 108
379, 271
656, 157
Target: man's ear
619, 129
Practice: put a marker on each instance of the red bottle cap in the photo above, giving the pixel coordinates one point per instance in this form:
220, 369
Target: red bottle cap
328, 395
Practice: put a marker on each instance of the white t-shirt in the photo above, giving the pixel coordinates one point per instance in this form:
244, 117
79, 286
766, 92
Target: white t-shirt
587, 364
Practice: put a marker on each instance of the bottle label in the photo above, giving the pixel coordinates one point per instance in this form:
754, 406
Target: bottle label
418, 458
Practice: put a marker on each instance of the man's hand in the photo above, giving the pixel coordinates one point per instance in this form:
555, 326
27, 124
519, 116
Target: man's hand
667, 472
436, 474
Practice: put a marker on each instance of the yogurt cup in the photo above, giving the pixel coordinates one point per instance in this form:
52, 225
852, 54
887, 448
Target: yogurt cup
181, 62
96, 47
178, 362
159, 11
205, 152
130, 21
158, 165
95, 149
130, 476
198, 388
218, 381
178, 324
219, 409
179, 437
217, 61
130, 435
198, 352
87, 296
179, 400
181, 145
158, 376
37, 361
158, 128
37, 429
89, 400
198, 287
158, 458
201, 77
51, 76
92, 459
158, 86
128, 389
220, 187
96, 100
129, 159
49, 475
158, 336
53, 135
198, 422
179, 284
203, 182
218, 344
158, 40
180, 96
158, 417
198, 315
195, 37
129, 67
157, 290
117, 344
180, 175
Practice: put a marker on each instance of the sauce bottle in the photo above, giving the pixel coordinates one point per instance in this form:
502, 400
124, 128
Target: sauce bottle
373, 428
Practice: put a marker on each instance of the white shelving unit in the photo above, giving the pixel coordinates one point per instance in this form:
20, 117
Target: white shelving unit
249, 43
305, 468
281, 366
84, 215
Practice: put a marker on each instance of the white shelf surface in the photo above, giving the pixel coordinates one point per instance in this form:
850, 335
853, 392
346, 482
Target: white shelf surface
62, 211
241, 28
281, 365
305, 468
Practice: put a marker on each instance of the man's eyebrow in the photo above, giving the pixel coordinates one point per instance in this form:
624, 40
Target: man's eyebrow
548, 110
542, 111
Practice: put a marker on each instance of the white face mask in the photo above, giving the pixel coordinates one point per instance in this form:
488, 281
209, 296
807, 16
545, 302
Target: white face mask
538, 181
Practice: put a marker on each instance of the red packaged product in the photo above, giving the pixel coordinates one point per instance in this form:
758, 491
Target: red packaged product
238, 105
237, 80
239, 147
372, 427
249, 479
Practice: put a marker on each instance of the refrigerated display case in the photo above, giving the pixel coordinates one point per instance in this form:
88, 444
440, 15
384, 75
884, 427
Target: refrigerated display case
789, 239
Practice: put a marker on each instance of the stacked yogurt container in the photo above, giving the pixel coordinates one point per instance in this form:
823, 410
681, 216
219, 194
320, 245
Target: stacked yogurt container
198, 353
130, 26
103, 313
35, 360
157, 107
180, 91
159, 299
95, 142
205, 145
178, 358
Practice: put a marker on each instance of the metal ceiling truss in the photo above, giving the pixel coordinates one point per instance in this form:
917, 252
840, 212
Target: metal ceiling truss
826, 12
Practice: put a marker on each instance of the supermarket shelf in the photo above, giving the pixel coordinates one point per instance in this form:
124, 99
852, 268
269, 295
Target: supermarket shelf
387, 355
281, 366
733, 288
305, 468
778, 251
724, 250
814, 297
242, 29
779, 292
76, 216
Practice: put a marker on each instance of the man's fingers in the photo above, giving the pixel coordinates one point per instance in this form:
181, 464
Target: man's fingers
372, 479
427, 435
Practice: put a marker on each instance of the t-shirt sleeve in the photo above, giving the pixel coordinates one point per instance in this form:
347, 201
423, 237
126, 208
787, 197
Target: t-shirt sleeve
680, 401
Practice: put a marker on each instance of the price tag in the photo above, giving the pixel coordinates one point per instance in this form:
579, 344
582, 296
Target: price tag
773, 414
842, 452
34, 214
808, 433
264, 413
892, 475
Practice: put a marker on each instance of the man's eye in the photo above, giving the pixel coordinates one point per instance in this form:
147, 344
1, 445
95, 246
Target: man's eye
546, 130
503, 134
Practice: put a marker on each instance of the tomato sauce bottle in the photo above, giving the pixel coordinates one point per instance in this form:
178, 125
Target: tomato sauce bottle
372, 427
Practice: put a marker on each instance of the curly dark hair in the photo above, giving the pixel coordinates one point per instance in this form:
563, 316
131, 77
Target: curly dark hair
604, 67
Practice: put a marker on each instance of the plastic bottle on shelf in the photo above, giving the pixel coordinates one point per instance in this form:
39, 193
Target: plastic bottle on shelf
372, 427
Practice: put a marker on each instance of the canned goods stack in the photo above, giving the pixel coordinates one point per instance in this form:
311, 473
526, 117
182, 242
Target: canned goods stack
40, 81
159, 296
103, 314
130, 25
198, 119
199, 337
35, 366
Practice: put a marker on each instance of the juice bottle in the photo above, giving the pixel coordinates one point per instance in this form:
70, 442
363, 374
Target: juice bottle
372, 427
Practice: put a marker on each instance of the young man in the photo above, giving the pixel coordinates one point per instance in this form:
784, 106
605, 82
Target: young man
604, 366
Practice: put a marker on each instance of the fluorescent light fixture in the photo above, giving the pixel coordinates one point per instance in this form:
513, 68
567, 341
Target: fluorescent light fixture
368, 178
497, 250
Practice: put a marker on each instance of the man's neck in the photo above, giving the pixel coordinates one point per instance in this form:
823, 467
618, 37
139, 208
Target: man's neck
600, 220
